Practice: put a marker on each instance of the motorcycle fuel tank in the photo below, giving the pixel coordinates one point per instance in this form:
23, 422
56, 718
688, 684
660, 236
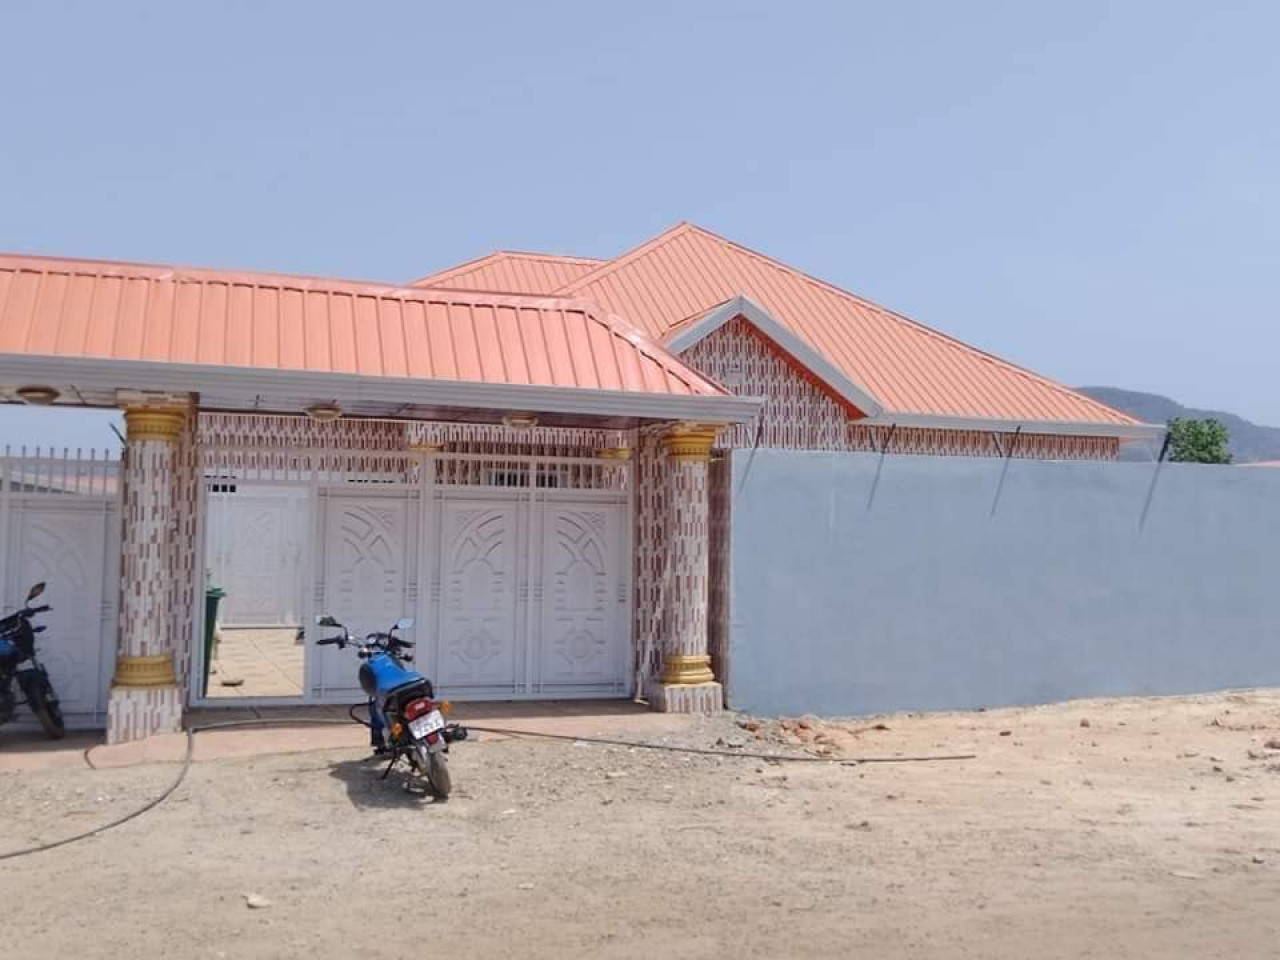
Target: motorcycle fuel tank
380, 674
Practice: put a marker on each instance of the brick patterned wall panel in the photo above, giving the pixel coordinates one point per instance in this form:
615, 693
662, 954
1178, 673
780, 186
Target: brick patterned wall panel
799, 413
185, 565
718, 556
273, 432
650, 557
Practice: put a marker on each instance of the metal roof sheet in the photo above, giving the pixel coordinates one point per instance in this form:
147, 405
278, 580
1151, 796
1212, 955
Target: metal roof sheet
908, 367
508, 271
83, 309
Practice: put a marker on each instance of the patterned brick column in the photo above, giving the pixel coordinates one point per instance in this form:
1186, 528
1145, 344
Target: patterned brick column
687, 684
145, 697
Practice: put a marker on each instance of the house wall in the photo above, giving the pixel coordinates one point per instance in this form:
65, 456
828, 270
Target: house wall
916, 583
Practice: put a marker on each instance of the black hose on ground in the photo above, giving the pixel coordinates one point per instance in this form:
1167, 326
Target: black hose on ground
604, 741
177, 782
706, 752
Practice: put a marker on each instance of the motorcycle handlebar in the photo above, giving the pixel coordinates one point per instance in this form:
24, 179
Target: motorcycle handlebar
43, 608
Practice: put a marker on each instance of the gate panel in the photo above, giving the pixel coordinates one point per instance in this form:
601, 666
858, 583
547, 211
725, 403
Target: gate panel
578, 646
60, 523
478, 646
255, 551
367, 568
66, 546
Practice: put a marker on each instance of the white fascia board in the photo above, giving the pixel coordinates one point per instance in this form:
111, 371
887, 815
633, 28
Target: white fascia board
94, 374
805, 355
1072, 428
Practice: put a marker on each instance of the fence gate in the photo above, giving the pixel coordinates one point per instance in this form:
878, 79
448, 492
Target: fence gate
516, 569
60, 523
256, 536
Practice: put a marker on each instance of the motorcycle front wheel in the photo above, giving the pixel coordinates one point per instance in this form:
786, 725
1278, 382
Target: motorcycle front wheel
435, 765
44, 704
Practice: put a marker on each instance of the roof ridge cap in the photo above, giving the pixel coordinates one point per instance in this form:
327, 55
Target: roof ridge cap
619, 327
536, 255
234, 277
147, 266
903, 318
627, 256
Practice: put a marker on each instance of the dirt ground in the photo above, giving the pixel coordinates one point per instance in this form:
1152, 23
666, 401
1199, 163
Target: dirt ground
1136, 828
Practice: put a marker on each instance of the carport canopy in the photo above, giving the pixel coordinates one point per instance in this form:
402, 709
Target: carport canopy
94, 331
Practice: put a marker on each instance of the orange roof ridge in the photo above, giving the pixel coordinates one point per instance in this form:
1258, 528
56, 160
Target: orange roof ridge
498, 257
144, 267
685, 228
922, 327
287, 281
559, 257
627, 256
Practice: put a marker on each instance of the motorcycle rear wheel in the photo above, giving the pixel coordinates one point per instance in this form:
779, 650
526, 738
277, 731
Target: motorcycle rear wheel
44, 704
435, 765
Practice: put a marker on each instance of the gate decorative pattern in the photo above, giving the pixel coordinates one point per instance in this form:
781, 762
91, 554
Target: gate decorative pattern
579, 572
477, 614
59, 522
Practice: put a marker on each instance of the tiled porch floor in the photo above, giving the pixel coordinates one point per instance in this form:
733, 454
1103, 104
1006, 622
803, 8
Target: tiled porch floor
269, 662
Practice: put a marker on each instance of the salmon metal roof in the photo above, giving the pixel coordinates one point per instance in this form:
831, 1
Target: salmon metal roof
915, 373
508, 271
218, 319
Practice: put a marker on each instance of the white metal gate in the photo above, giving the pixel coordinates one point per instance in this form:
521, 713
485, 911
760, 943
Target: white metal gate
60, 523
517, 569
255, 538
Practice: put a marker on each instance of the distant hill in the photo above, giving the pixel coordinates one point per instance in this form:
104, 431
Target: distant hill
1249, 441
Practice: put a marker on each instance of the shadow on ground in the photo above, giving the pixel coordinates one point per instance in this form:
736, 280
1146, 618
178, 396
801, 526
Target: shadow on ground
368, 791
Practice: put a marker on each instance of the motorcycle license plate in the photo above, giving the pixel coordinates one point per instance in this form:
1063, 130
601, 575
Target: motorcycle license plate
427, 723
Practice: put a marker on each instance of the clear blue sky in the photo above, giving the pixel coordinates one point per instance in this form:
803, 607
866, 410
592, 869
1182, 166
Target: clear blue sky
1090, 189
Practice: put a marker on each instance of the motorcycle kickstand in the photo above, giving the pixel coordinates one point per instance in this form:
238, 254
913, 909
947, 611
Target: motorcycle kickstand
395, 755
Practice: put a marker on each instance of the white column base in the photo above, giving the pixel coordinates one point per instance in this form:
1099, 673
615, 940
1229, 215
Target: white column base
701, 698
134, 713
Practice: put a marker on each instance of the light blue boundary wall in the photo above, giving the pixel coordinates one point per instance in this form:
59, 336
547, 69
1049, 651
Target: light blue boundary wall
850, 595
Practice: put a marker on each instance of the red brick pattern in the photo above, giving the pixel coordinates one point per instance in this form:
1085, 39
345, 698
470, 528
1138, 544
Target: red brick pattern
800, 414
652, 576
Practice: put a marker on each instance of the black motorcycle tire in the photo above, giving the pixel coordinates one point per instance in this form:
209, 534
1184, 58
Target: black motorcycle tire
44, 704
435, 765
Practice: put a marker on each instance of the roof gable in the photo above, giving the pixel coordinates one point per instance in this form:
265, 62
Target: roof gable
910, 369
684, 335
508, 271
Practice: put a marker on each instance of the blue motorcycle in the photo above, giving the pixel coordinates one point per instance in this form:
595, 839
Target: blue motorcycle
404, 718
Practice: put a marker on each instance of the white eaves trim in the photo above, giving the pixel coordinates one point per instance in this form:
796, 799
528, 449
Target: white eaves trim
762, 320
247, 382
1073, 428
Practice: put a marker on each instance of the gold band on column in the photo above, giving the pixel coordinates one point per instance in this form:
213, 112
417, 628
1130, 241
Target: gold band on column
687, 668
151, 671
689, 441
154, 423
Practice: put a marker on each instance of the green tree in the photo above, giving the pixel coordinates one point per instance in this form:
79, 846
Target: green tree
1198, 441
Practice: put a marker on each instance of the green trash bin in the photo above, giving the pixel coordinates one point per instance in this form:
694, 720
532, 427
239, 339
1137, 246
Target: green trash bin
211, 598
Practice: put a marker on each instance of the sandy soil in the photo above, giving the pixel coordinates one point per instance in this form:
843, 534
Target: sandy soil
1152, 831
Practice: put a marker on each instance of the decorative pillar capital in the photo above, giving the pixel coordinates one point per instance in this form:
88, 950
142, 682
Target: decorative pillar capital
150, 671
689, 441
154, 423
